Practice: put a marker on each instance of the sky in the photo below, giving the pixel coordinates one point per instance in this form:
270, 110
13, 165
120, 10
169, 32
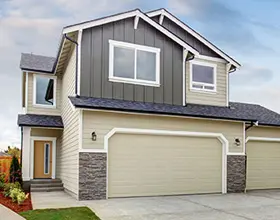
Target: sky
248, 31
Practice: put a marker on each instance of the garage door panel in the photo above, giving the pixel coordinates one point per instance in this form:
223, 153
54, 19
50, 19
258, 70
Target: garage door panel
263, 165
146, 165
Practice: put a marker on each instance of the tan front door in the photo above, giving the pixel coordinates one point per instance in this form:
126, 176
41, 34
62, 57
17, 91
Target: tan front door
42, 159
152, 165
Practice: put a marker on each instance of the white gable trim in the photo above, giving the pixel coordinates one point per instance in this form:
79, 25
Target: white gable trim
134, 13
194, 34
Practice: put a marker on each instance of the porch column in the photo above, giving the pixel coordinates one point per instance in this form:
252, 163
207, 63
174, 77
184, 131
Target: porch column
26, 154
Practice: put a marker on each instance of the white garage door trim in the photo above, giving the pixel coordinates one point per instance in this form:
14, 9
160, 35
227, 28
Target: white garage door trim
251, 138
220, 137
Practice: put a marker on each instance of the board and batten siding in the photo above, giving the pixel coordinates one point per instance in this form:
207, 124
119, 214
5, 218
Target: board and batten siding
68, 151
103, 122
218, 98
95, 63
187, 37
31, 109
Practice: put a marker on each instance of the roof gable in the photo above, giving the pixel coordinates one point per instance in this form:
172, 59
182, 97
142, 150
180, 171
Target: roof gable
137, 14
164, 13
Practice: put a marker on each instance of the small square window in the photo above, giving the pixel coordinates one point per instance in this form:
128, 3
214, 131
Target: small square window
202, 76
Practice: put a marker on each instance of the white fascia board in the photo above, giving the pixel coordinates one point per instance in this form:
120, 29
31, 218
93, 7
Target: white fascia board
128, 15
194, 34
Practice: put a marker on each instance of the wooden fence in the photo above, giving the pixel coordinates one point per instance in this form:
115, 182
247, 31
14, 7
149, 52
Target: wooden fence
5, 162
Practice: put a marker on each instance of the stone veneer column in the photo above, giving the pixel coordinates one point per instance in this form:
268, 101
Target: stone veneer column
92, 176
236, 173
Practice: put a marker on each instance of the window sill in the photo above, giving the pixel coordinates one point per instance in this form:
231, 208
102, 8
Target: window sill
44, 106
135, 82
213, 92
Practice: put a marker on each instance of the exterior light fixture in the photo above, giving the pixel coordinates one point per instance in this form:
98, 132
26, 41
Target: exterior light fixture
93, 136
237, 142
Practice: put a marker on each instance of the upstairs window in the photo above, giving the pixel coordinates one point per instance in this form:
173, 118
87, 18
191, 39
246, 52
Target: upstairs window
135, 64
202, 76
44, 91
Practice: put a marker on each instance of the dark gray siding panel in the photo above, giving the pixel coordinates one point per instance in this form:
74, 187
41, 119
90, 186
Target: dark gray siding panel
95, 64
180, 32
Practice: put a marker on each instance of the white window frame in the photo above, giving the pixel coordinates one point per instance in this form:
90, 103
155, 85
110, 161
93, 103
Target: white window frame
202, 63
35, 88
136, 47
49, 161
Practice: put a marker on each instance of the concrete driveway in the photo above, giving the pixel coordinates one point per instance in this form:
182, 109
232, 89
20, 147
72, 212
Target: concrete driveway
259, 205
262, 205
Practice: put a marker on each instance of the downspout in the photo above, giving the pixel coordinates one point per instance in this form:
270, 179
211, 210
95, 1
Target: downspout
76, 73
230, 71
21, 146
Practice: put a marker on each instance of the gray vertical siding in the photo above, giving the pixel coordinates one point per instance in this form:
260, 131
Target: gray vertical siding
180, 32
95, 63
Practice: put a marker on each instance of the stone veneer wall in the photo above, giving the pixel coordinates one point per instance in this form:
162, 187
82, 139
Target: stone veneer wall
236, 173
92, 176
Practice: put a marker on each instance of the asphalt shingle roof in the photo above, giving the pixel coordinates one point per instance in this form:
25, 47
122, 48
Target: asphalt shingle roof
37, 62
40, 121
236, 111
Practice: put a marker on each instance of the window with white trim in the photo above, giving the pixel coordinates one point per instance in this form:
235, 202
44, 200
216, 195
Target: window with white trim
133, 63
202, 76
44, 89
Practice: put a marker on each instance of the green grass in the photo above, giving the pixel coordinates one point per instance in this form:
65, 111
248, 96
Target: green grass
79, 213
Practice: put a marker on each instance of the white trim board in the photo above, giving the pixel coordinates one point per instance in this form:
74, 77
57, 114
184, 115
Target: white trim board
194, 34
268, 139
219, 136
125, 15
32, 141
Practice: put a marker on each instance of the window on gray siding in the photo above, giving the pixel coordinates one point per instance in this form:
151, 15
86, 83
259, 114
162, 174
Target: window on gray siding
132, 63
124, 62
202, 76
146, 65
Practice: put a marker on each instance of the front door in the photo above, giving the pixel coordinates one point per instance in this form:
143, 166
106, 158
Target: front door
42, 159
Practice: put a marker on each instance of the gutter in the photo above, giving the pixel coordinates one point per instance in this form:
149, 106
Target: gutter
256, 123
76, 71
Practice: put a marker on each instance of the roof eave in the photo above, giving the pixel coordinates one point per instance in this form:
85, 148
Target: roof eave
163, 113
195, 34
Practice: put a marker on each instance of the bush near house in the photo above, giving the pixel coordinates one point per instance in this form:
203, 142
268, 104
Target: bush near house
15, 171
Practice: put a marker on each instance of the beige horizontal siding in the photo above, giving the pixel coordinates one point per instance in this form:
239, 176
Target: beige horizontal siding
68, 154
262, 131
31, 109
42, 132
138, 165
219, 98
102, 123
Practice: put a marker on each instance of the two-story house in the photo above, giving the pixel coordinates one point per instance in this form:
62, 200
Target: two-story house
137, 104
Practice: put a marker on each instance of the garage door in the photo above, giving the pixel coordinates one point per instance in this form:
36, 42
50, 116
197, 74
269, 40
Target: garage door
150, 165
263, 165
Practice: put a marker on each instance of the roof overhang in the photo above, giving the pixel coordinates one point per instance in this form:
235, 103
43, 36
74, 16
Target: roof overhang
163, 12
135, 13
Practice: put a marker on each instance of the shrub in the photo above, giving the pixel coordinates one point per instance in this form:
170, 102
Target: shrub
9, 186
15, 171
14, 194
2, 180
17, 195
22, 197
